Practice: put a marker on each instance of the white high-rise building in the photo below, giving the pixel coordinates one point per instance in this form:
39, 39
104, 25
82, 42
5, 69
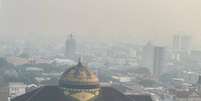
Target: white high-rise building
181, 46
182, 42
147, 56
153, 58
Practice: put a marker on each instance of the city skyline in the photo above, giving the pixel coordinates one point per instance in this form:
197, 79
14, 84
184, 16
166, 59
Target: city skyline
128, 20
100, 50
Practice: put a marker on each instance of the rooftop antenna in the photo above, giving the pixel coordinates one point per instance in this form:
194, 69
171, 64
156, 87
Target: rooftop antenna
71, 35
79, 60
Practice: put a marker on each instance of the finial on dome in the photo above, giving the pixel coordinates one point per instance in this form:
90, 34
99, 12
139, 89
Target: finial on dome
79, 77
71, 35
79, 60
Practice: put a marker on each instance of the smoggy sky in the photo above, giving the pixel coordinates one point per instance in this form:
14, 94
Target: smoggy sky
102, 19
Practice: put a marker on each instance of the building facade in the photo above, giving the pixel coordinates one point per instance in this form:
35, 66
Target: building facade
153, 58
159, 59
16, 89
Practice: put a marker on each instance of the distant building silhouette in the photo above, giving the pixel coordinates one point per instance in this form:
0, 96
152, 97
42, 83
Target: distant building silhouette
199, 84
182, 45
70, 48
153, 58
181, 42
147, 56
159, 58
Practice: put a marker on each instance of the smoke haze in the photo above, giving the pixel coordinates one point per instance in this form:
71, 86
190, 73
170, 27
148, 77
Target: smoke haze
103, 20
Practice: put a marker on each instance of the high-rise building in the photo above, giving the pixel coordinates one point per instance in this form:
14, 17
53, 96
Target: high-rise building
181, 46
159, 58
153, 58
199, 84
70, 47
182, 42
147, 56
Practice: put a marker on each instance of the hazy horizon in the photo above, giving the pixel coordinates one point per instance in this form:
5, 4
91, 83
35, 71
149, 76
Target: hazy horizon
138, 20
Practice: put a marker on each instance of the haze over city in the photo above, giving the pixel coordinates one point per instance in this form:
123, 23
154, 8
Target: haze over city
100, 50
119, 20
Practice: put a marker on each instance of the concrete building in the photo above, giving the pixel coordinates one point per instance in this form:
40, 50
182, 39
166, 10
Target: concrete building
153, 58
148, 56
159, 60
16, 89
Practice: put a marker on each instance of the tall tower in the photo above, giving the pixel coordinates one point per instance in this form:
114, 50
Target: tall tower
147, 56
181, 46
182, 42
199, 85
153, 58
70, 47
159, 58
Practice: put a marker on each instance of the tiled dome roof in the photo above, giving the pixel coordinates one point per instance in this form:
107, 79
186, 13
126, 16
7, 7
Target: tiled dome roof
80, 77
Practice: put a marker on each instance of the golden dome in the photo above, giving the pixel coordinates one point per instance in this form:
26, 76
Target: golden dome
79, 77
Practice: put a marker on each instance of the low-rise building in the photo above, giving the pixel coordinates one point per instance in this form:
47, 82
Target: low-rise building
16, 89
